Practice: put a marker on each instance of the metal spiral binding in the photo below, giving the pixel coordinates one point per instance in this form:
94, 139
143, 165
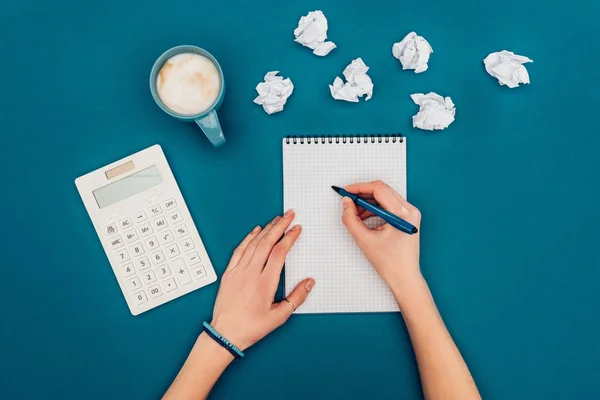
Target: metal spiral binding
344, 139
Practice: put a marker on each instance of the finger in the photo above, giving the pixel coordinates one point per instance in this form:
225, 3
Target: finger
239, 251
269, 239
282, 311
351, 220
251, 248
365, 214
383, 194
272, 270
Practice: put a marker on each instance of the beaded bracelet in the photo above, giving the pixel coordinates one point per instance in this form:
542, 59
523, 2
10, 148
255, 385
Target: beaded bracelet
230, 347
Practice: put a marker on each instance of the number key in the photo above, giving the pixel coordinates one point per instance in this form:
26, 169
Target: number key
163, 271
142, 263
155, 291
134, 284
148, 277
127, 270
122, 255
140, 297
137, 249
158, 257
151, 243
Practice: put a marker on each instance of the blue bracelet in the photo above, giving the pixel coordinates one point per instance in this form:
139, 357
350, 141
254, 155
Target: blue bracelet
230, 347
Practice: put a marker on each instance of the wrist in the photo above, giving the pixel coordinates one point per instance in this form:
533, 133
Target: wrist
208, 348
410, 290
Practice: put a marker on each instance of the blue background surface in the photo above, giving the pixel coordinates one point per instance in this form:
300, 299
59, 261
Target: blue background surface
508, 192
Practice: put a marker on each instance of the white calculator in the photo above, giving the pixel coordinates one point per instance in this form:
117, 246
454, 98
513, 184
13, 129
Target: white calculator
146, 229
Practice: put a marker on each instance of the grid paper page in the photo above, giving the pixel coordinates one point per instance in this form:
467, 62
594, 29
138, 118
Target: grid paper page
345, 281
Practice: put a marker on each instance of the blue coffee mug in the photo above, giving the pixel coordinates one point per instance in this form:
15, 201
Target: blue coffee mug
208, 120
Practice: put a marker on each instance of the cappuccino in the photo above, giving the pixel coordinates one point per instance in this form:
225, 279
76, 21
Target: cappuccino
188, 84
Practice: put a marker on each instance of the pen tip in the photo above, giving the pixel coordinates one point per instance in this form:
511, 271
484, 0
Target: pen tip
414, 230
336, 188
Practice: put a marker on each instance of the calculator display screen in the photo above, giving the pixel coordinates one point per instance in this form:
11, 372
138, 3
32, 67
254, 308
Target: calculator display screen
123, 188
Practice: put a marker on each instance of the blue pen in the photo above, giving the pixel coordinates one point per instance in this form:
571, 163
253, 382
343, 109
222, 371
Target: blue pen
390, 218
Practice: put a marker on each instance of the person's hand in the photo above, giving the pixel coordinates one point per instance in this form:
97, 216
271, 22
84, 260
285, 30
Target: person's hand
394, 254
245, 311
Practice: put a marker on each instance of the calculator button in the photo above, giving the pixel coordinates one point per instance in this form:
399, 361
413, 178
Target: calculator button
140, 217
199, 273
146, 229
127, 270
181, 231
151, 243
187, 244
116, 242
166, 237
142, 263
155, 210
175, 217
130, 236
163, 271
122, 255
181, 272
169, 285
125, 223
192, 258
148, 277
160, 223
157, 257
110, 229
140, 297
155, 291
170, 204
137, 249
134, 284
172, 251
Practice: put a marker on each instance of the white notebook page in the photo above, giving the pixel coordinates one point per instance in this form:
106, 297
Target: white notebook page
345, 281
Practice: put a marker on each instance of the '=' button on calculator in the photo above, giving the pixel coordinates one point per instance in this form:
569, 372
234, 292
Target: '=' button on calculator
146, 229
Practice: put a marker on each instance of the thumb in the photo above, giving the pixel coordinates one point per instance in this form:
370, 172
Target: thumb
294, 300
352, 221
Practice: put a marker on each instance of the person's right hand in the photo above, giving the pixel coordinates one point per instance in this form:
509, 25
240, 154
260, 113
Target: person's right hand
394, 254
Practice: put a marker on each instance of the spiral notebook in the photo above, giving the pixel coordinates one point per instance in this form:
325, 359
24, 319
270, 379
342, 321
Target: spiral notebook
345, 281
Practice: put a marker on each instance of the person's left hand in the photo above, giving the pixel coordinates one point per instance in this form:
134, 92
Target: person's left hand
245, 311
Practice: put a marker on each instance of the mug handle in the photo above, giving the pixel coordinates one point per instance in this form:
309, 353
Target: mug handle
212, 128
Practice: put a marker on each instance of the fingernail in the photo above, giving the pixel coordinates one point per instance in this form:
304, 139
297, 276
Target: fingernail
288, 213
296, 228
309, 285
277, 218
256, 229
345, 202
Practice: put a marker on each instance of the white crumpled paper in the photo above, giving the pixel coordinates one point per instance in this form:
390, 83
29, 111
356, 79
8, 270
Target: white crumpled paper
413, 52
358, 83
435, 111
312, 32
273, 92
507, 67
